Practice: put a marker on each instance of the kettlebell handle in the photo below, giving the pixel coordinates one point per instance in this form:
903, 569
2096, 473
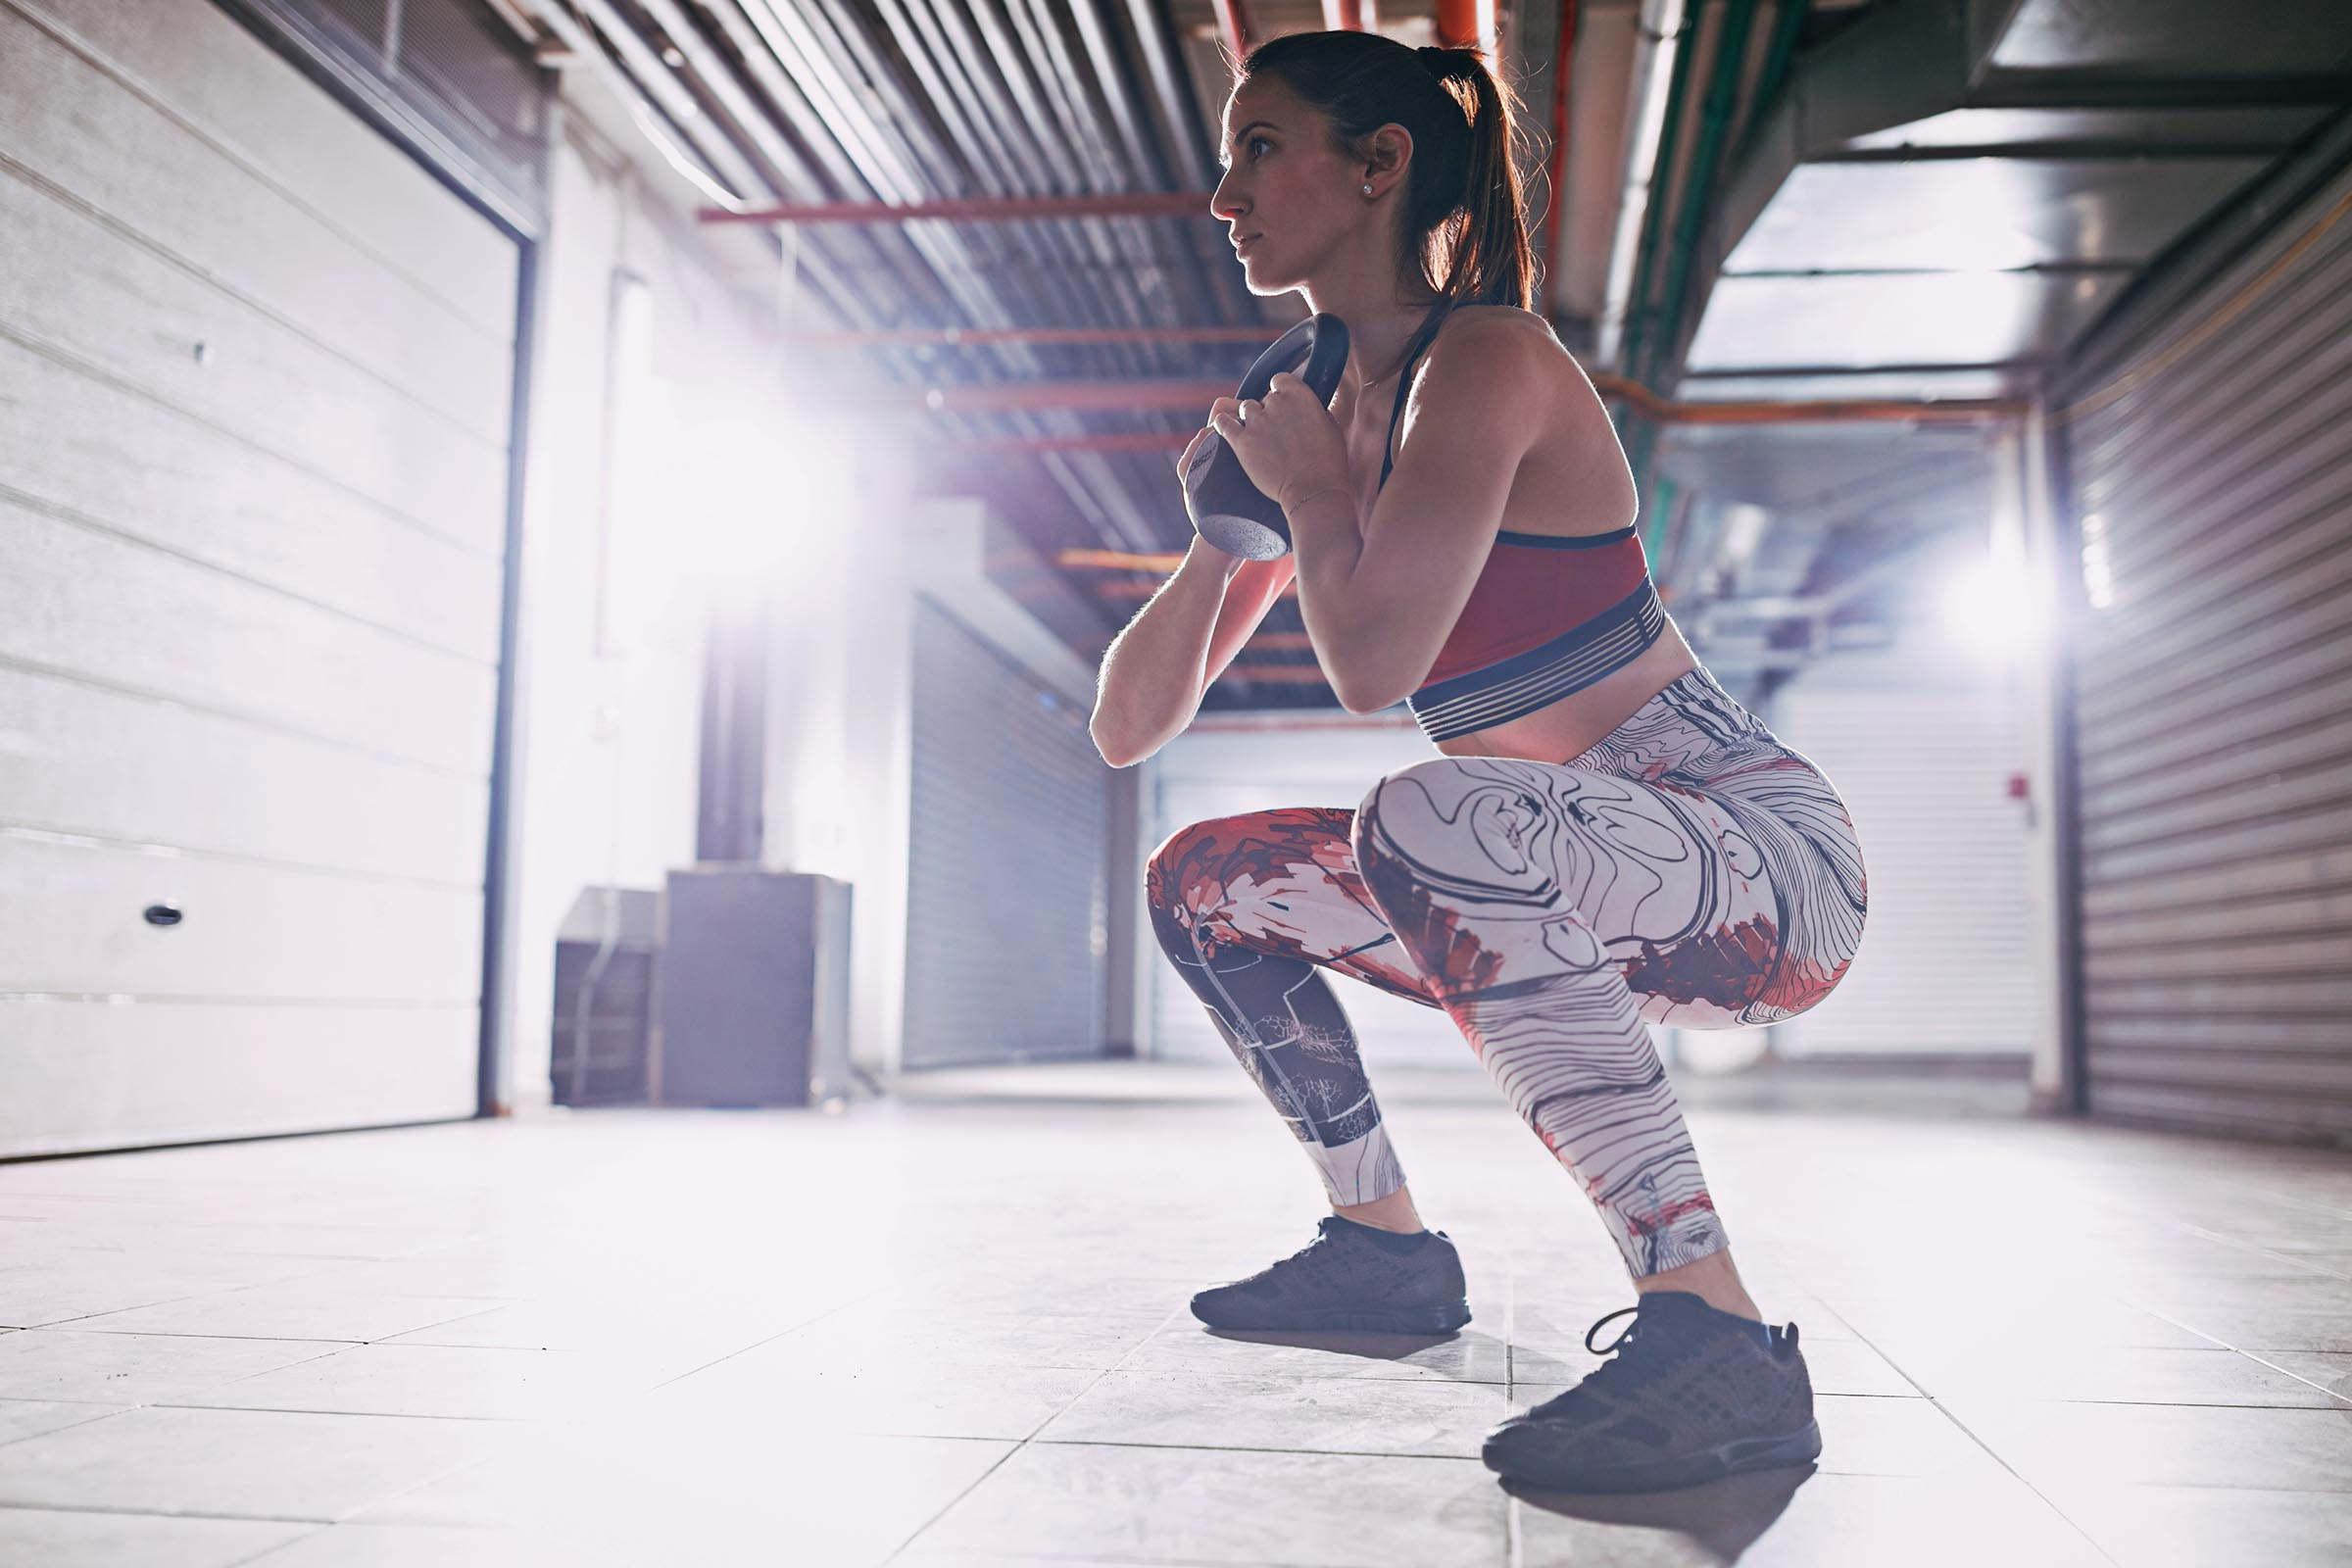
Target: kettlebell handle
1227, 510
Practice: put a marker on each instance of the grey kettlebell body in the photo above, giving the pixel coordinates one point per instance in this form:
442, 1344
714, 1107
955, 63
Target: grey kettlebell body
1227, 510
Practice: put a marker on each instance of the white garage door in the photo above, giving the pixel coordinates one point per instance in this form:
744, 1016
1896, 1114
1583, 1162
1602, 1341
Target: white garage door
1922, 748
255, 374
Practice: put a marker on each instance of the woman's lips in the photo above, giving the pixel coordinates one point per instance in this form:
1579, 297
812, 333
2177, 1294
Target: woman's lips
1243, 244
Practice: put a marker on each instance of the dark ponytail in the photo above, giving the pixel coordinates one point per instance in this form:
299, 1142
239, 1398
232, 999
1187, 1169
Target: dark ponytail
1465, 219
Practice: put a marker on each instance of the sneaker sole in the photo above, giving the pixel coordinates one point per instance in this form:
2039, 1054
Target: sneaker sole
1427, 1320
1689, 1470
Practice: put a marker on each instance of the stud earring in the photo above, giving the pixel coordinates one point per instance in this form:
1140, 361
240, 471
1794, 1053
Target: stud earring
1367, 191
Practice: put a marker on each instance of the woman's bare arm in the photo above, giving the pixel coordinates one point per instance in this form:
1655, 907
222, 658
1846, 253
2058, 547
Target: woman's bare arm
1155, 672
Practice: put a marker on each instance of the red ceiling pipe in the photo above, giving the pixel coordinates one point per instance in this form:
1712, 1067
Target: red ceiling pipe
1171, 393
1466, 24
1556, 221
963, 336
1233, 21
1134, 204
992, 396
1022, 445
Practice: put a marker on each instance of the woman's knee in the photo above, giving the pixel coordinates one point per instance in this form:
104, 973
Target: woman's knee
1421, 781
1409, 820
1176, 863
1190, 866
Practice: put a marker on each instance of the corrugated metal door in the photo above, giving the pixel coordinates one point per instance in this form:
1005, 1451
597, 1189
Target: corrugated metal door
1924, 770
2212, 689
255, 374
1006, 917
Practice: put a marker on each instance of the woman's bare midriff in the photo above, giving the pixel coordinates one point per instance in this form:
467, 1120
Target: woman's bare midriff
1581, 720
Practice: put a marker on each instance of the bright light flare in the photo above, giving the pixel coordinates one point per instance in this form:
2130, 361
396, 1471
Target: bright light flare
1996, 607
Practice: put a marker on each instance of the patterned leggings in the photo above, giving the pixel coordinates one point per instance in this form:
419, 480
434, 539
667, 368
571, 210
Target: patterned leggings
1687, 869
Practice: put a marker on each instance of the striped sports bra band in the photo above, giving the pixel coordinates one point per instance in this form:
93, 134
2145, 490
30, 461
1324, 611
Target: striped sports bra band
1518, 686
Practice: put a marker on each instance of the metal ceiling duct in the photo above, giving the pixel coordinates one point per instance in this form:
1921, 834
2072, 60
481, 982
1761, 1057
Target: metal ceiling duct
1930, 196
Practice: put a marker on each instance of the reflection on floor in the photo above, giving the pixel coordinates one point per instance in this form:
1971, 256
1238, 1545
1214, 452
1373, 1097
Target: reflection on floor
947, 1328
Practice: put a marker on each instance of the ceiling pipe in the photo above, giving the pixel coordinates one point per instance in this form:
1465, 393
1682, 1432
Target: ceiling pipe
1556, 220
1013, 446
896, 159
1004, 152
1031, 100
1096, 494
1147, 23
1466, 24
1149, 26
989, 155
1233, 24
1653, 358
647, 88
1171, 393
1129, 258
1660, 50
1144, 159
964, 336
1035, 68
1638, 312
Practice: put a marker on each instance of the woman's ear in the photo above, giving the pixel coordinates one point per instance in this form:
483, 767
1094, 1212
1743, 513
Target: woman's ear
1387, 150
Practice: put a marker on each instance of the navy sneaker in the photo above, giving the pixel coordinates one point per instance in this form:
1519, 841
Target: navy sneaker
1689, 1393
1350, 1276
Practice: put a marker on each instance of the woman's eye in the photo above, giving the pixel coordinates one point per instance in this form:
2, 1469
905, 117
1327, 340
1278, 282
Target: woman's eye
1256, 141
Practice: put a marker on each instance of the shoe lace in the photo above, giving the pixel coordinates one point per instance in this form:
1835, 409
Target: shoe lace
1322, 1240
1636, 1359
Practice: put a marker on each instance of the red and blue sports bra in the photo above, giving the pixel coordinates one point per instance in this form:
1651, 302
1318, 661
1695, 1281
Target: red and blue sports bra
1546, 616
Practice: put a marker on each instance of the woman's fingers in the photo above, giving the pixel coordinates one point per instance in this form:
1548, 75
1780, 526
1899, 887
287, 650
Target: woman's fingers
1184, 460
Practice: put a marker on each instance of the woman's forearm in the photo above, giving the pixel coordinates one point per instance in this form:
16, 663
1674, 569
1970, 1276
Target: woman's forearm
1327, 533
1153, 673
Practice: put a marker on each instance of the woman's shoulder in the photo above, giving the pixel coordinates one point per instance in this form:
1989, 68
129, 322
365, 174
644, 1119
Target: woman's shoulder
1474, 333
1503, 316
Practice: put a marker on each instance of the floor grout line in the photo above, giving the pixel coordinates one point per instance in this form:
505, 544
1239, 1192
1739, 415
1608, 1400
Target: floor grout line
1946, 1412
917, 1533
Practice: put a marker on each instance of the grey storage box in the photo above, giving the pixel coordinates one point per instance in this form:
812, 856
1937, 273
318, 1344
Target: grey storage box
600, 1054
751, 989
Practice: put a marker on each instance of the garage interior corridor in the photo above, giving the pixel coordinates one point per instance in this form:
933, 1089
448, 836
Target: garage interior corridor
949, 1328
642, 808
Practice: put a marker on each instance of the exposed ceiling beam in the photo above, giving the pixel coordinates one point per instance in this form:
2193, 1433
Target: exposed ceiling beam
1171, 393
1000, 208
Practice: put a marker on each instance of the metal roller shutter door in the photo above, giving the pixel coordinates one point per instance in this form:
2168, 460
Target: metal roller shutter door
2212, 684
254, 372
1007, 905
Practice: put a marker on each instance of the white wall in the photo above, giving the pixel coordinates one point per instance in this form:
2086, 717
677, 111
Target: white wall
715, 482
635, 404
839, 710
840, 732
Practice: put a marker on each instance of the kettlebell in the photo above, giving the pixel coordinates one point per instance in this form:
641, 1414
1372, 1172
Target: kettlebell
1227, 510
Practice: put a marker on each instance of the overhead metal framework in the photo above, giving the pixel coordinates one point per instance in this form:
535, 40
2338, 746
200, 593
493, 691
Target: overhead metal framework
1800, 244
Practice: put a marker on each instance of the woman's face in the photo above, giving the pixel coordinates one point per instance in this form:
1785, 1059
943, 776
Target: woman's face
1288, 199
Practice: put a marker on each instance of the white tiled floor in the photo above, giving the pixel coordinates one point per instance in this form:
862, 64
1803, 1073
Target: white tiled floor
948, 1328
